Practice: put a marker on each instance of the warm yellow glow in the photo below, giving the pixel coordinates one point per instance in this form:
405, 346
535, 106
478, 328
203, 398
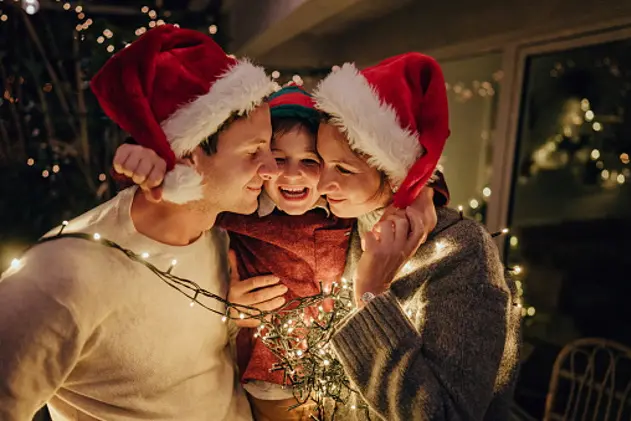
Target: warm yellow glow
474, 204
584, 104
212, 29
624, 158
514, 242
486, 192
620, 179
597, 126
589, 115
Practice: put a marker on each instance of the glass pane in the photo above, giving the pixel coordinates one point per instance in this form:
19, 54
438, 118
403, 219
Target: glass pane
571, 205
473, 90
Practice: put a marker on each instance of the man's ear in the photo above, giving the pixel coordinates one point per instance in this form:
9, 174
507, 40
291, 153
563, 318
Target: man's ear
191, 159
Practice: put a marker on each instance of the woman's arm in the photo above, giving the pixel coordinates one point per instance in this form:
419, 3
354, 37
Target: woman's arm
445, 365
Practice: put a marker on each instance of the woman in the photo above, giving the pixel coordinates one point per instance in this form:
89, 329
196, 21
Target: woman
440, 342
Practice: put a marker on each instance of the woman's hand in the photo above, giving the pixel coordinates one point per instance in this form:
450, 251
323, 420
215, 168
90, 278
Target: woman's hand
387, 248
424, 203
143, 166
261, 292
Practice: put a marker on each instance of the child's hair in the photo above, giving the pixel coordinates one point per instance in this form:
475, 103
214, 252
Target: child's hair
284, 125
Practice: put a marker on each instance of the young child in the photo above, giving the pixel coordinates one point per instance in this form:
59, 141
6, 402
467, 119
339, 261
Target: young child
300, 250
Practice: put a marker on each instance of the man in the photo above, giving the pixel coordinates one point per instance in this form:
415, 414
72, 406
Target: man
97, 336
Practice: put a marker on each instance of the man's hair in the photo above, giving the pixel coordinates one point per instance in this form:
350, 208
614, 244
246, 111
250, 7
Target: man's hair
209, 145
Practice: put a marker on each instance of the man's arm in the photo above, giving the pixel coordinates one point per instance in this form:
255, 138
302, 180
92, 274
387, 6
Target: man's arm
40, 343
445, 368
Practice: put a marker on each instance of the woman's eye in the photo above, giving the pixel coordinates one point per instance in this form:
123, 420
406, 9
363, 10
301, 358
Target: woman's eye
343, 170
280, 160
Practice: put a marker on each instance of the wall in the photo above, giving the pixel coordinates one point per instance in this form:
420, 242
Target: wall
454, 28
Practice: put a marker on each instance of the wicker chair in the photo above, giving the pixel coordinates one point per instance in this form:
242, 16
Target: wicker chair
591, 381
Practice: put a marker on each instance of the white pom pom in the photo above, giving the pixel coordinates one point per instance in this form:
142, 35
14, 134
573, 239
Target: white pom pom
182, 184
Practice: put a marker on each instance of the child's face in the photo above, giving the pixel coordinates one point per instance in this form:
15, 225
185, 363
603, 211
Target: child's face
295, 190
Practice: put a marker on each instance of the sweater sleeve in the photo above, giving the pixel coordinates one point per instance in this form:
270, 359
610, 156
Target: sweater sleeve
445, 367
39, 345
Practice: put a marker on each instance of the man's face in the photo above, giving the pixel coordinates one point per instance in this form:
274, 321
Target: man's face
234, 175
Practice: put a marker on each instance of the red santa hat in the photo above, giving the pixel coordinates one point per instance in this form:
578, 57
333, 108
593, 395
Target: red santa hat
170, 90
396, 113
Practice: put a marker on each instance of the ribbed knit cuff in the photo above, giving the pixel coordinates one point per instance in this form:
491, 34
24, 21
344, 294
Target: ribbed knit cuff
380, 326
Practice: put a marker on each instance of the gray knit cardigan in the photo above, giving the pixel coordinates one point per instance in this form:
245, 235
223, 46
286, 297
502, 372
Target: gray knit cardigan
443, 342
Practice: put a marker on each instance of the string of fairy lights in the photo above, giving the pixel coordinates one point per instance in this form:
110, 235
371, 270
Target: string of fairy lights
298, 333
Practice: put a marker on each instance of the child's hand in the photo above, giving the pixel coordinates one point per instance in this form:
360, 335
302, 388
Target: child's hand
143, 166
261, 292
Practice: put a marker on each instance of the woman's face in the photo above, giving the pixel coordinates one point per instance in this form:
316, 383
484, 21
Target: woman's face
351, 186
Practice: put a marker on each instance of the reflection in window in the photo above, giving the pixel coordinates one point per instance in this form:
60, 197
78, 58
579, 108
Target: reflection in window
473, 90
571, 205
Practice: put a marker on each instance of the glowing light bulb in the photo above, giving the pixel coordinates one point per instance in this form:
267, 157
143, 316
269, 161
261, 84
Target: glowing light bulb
514, 241
589, 115
474, 204
595, 154
486, 192
212, 29
597, 126
517, 270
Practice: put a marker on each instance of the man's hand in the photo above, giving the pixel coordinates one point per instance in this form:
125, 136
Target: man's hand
143, 166
261, 292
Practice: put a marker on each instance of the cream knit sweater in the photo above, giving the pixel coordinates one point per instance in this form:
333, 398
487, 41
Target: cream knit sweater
99, 337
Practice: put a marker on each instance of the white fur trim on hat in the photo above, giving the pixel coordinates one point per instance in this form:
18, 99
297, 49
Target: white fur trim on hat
182, 184
240, 89
371, 125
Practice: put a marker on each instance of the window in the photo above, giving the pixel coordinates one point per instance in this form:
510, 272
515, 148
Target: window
473, 89
570, 211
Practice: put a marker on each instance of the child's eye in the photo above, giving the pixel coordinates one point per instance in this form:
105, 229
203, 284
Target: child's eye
280, 160
311, 162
